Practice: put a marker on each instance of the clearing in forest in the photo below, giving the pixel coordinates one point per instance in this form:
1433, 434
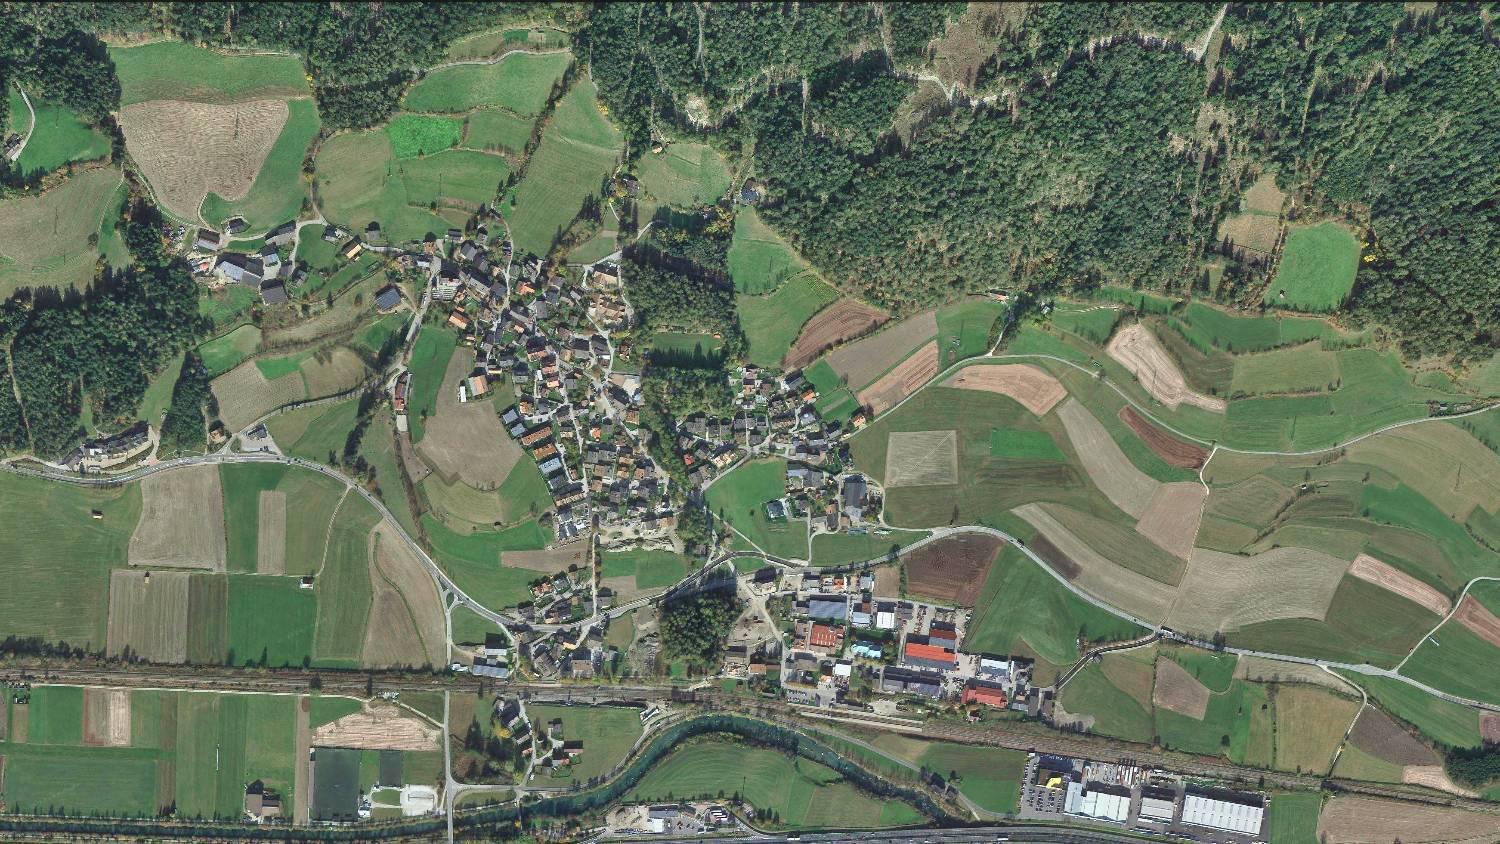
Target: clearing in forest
1317, 268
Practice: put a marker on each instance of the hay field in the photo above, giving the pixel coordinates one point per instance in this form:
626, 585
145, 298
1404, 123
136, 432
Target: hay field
1261, 669
464, 442
1307, 368
148, 618
1171, 519
549, 561
278, 191
1479, 620
688, 175
1374, 571
1179, 453
378, 728
905, 379
187, 150
1127, 487
270, 546
106, 717
174, 70
407, 625
518, 83
330, 372
579, 148
359, 180
182, 520
1178, 691
1036, 390
1317, 268
1132, 672
1258, 225
1378, 734
1310, 725
1224, 592
245, 395
1100, 576
60, 136
841, 321
861, 362
921, 458
1370, 820
1446, 464
1134, 348
771, 323
759, 259
495, 130
44, 239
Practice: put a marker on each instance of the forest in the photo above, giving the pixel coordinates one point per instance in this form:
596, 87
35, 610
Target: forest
694, 628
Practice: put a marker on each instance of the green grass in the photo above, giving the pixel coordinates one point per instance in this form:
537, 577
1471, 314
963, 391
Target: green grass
60, 137
158, 395
325, 709
833, 549
1295, 369
1317, 268
373, 337
1446, 660
495, 129
242, 485
1293, 818
607, 733
343, 584
360, 180
80, 781
602, 243
1092, 323
1210, 328
56, 716
834, 399
277, 194
173, 70
651, 569
212, 734
226, 305
473, 560
46, 237
458, 178
414, 135
771, 323
964, 329
1364, 624
1214, 670
759, 260
310, 500
1228, 715
270, 617
1021, 603
1115, 713
578, 149
677, 342
429, 360
740, 498
276, 367
990, 776
317, 252
57, 568
378, 448
1024, 445
227, 351
483, 45
1447, 723
312, 433
686, 175
523, 493
804, 794
519, 83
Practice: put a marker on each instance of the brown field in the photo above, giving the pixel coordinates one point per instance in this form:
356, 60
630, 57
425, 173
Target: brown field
270, 546
1171, 519
908, 376
921, 458
624, 588
1134, 348
1310, 726
1130, 675
1258, 227
843, 320
1179, 453
1178, 691
407, 624
1371, 820
332, 372
377, 728
1489, 727
1224, 592
550, 561
1127, 487
1435, 777
1379, 735
182, 520
302, 778
245, 395
863, 361
187, 150
888, 585
148, 618
1098, 575
106, 717
20, 720
464, 442
1374, 571
952, 569
1062, 563
1032, 388
1445, 463
1480, 621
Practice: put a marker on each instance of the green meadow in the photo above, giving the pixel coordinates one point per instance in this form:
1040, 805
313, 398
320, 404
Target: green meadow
739, 498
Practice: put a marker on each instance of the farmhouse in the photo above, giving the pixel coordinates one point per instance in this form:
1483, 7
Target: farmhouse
989, 694
208, 240
282, 235
387, 298
273, 293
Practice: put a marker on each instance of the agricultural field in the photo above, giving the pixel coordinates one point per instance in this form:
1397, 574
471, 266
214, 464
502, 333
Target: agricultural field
639, 571
686, 175
842, 321
45, 239
1445, 723
834, 399
473, 560
862, 362
60, 137
226, 351
759, 260
803, 794
495, 130
607, 733
518, 83
255, 388
579, 148
772, 322
1317, 268
740, 497
173, 70
1446, 659
277, 193
963, 329
1256, 230
835, 549
429, 360
1293, 818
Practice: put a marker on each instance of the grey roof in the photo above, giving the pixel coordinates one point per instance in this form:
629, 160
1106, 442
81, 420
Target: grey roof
388, 298
273, 293
827, 607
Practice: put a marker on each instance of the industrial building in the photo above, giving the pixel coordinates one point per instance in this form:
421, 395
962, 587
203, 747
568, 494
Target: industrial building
1098, 800
1230, 811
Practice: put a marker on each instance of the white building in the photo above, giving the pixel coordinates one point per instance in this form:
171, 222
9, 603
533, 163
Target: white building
1241, 815
1105, 802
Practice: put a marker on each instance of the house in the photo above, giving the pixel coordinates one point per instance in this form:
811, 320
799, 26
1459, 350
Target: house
830, 607
208, 240
943, 634
387, 298
856, 491
825, 636
995, 668
458, 320
900, 680
352, 250
775, 510
260, 805
455, 235
273, 293
988, 694
282, 235
478, 385
496, 646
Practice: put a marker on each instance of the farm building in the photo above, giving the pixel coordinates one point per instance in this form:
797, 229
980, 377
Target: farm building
282, 235
899, 680
988, 694
832, 607
208, 240
387, 298
825, 636
923, 655
273, 293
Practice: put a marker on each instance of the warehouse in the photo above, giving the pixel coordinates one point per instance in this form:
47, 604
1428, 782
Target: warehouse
1098, 800
1230, 811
